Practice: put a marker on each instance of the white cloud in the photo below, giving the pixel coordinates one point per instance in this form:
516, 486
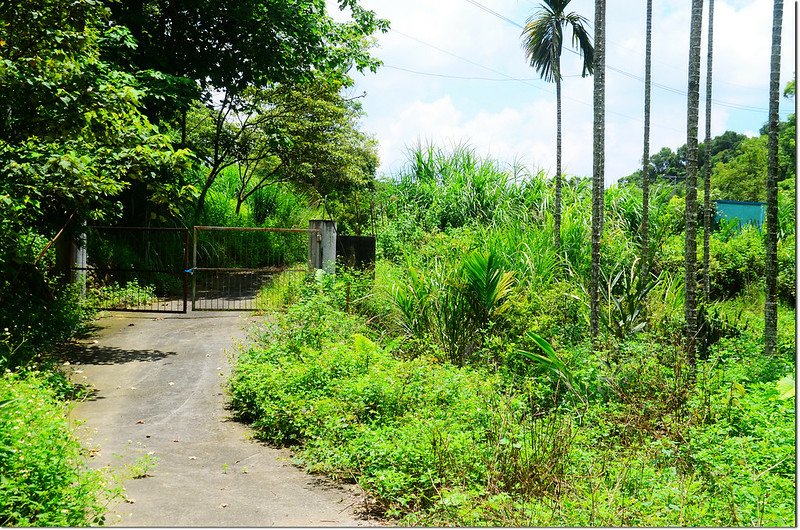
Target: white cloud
511, 120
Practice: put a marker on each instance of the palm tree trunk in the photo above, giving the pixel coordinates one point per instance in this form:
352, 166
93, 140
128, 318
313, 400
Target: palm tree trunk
645, 227
690, 255
557, 216
598, 165
771, 273
707, 161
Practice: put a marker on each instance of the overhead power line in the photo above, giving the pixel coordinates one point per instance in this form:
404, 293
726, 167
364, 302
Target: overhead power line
511, 78
721, 103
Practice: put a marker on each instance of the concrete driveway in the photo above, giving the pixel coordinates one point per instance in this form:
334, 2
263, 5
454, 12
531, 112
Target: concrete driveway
159, 397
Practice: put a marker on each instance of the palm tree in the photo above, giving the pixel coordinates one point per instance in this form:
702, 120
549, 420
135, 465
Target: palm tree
542, 40
707, 161
598, 155
771, 272
692, 111
645, 233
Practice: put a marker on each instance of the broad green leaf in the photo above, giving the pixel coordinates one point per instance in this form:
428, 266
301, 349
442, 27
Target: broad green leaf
786, 387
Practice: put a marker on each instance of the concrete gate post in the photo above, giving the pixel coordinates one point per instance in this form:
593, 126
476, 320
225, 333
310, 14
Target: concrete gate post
70, 250
322, 245
78, 259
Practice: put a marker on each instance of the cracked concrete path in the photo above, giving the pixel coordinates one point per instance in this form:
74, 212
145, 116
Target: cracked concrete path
159, 395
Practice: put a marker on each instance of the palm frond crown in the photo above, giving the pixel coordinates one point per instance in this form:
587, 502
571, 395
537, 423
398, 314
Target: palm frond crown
543, 38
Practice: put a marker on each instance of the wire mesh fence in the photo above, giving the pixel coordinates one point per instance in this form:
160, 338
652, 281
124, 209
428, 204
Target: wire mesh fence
137, 268
232, 266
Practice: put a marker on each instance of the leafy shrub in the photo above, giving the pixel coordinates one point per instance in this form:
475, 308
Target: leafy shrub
452, 302
736, 262
34, 319
44, 477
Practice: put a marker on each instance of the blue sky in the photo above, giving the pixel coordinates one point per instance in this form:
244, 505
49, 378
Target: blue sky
456, 73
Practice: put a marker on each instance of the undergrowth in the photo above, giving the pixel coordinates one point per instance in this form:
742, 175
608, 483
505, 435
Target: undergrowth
44, 477
434, 443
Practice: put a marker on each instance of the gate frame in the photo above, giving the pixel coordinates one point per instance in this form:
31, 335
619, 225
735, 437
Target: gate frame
197, 228
83, 267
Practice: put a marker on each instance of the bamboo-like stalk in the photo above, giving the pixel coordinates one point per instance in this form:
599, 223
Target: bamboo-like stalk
771, 272
692, 116
598, 165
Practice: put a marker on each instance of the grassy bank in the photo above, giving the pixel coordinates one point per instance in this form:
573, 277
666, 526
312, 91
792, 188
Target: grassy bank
438, 444
44, 476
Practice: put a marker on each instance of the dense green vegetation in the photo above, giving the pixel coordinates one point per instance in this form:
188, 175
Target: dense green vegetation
462, 388
45, 478
109, 114
463, 382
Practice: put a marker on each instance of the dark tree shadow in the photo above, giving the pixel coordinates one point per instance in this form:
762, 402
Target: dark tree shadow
105, 355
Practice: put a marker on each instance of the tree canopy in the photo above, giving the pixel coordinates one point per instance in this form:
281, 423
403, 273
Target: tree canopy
72, 134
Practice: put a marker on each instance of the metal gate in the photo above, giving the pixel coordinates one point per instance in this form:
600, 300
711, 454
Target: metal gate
231, 266
137, 268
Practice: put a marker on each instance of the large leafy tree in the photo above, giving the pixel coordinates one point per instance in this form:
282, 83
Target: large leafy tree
543, 41
72, 135
771, 272
224, 50
305, 134
210, 46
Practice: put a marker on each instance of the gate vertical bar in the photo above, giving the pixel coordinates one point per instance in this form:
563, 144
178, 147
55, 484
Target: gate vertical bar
185, 269
194, 267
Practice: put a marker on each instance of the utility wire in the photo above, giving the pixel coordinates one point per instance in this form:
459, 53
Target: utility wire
510, 78
529, 79
470, 61
465, 77
494, 13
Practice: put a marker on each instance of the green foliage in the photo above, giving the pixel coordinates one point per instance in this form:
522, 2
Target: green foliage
33, 322
736, 260
131, 294
454, 302
44, 477
306, 134
435, 444
73, 133
743, 178
280, 292
451, 189
231, 45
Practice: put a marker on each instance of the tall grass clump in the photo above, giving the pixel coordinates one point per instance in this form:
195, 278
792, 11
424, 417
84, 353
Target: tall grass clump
450, 189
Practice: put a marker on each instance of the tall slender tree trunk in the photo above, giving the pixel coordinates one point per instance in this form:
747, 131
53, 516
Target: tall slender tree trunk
598, 165
690, 255
707, 161
771, 306
645, 227
557, 216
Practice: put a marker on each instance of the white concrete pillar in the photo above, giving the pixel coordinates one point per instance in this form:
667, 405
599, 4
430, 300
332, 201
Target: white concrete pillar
322, 245
78, 258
